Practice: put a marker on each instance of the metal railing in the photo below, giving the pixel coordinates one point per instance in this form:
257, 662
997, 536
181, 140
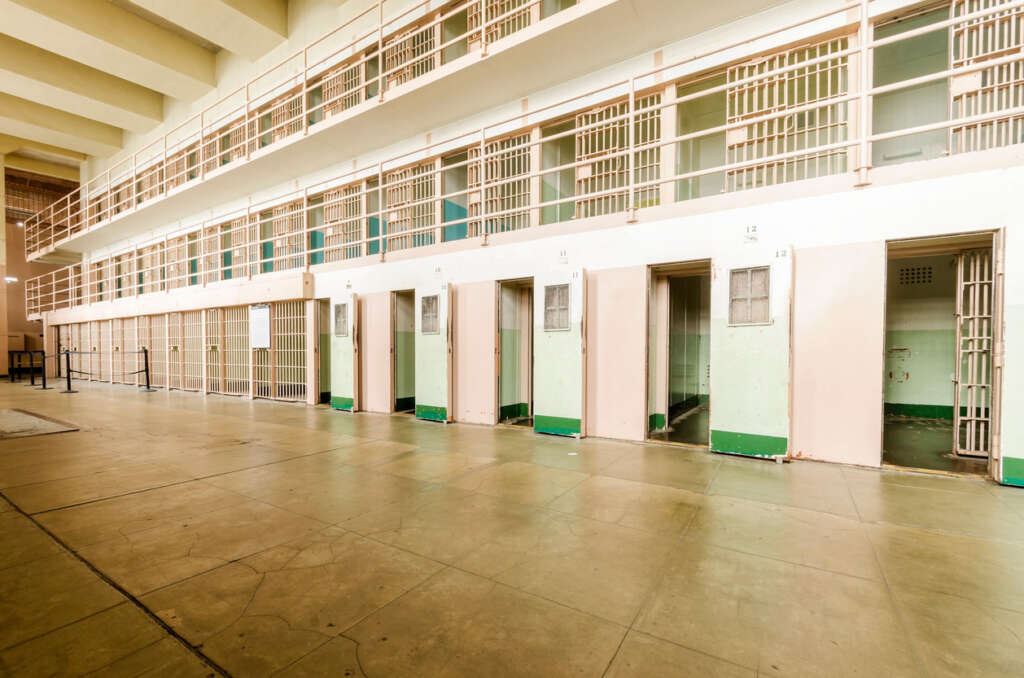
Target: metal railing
319, 82
802, 110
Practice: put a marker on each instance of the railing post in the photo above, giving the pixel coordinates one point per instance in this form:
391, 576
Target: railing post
67, 371
145, 369
631, 157
864, 80
42, 367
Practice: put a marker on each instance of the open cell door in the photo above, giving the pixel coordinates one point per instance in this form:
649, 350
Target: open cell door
975, 339
345, 352
434, 352
559, 353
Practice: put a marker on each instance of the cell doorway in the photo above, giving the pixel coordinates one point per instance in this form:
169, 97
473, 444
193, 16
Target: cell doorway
515, 353
403, 351
940, 333
678, 354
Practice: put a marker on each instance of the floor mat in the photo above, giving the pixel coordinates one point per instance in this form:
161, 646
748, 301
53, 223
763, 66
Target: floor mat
22, 424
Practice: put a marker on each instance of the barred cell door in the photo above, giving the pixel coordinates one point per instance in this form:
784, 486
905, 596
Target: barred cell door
972, 399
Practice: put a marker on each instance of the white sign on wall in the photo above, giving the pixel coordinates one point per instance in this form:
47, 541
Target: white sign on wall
259, 326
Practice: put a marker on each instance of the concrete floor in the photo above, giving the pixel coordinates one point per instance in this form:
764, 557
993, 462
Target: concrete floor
691, 428
913, 442
186, 535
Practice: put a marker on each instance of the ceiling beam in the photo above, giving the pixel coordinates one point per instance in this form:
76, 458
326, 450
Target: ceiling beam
37, 75
23, 118
105, 37
250, 28
9, 144
49, 169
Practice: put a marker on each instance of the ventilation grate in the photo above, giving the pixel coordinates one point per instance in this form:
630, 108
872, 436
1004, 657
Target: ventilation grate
915, 275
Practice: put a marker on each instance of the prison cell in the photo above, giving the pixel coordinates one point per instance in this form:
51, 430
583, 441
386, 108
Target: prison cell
175, 351
176, 258
492, 9
80, 342
411, 54
150, 269
224, 145
288, 331
603, 132
798, 86
100, 367
235, 353
972, 398
342, 223
507, 196
410, 208
115, 346
992, 89
130, 358
193, 349
276, 120
280, 234
182, 166
149, 183
157, 338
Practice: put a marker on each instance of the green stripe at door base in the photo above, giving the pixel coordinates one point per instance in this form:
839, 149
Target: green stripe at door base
1013, 471
431, 412
748, 443
559, 426
340, 403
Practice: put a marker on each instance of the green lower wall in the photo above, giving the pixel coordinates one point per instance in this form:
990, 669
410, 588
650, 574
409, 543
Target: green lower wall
431, 412
405, 404
561, 426
655, 422
1013, 471
748, 443
340, 403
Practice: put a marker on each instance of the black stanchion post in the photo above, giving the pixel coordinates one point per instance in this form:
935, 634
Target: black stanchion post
67, 371
31, 368
42, 358
10, 366
145, 367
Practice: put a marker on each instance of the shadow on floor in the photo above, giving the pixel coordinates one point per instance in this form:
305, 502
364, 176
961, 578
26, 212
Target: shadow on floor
689, 428
922, 443
525, 422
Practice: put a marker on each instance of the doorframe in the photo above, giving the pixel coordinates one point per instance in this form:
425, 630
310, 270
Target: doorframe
953, 244
527, 281
687, 268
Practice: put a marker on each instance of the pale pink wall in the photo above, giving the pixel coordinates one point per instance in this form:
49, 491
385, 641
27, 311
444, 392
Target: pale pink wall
616, 353
375, 352
475, 333
838, 345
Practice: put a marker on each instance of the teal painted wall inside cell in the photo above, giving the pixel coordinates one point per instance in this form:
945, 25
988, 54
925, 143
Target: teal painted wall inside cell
509, 382
431, 365
405, 347
454, 212
688, 342
911, 106
920, 341
325, 362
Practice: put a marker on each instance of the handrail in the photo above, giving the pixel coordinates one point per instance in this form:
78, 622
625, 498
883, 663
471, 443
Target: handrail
400, 202
117, 190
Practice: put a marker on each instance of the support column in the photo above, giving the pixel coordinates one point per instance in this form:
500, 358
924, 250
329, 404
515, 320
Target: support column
3, 268
312, 354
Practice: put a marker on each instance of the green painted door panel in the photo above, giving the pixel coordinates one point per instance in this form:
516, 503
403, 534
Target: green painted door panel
433, 352
558, 353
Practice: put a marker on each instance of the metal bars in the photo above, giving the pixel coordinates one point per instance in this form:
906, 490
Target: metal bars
991, 90
972, 400
779, 82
